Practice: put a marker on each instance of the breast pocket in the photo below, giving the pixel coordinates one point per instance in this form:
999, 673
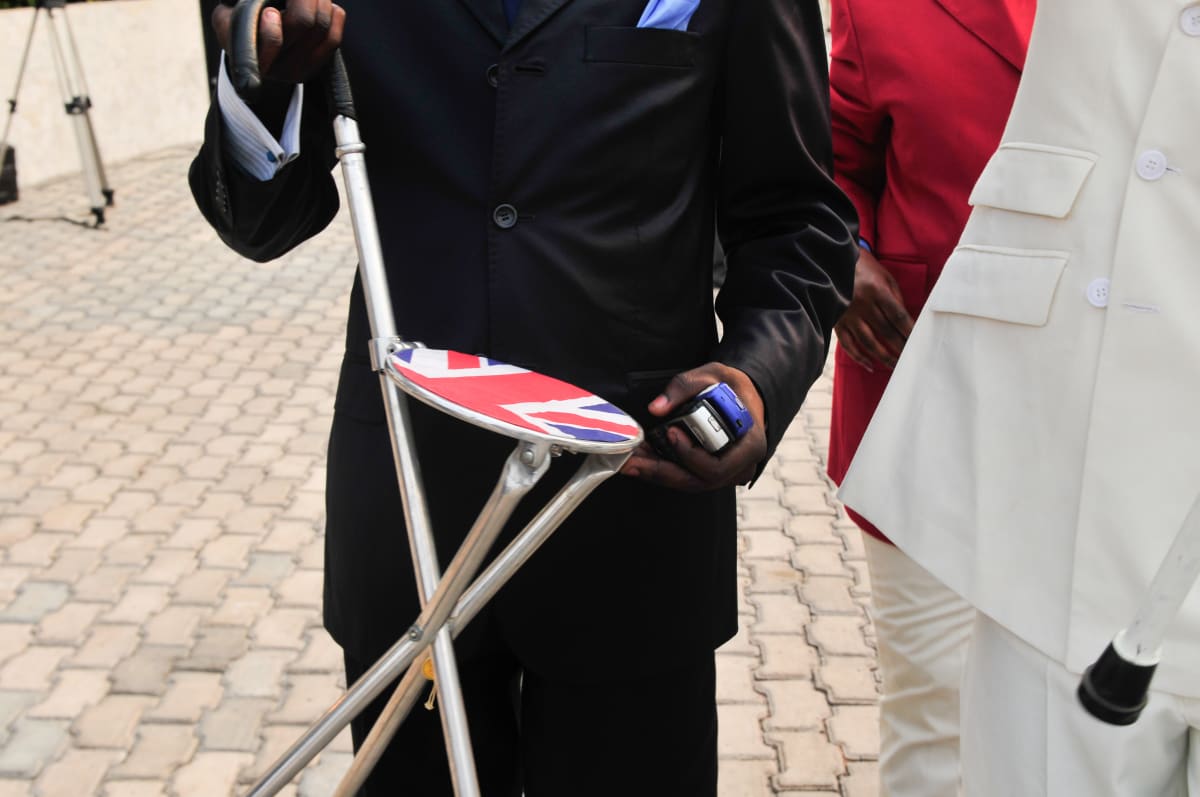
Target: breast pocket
641, 46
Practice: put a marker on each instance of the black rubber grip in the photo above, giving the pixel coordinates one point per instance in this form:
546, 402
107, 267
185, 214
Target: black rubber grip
337, 84
244, 43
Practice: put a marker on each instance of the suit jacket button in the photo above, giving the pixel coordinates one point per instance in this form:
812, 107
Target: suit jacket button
505, 216
493, 75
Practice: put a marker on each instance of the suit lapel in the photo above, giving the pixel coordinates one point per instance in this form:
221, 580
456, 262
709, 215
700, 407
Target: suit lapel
490, 14
1002, 25
532, 14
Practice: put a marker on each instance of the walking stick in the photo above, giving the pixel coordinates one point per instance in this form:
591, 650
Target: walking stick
1115, 688
543, 415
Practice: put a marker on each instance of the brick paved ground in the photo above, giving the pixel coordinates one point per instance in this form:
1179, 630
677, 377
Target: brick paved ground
164, 407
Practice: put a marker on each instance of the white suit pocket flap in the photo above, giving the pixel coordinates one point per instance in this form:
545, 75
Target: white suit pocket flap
1014, 285
1033, 178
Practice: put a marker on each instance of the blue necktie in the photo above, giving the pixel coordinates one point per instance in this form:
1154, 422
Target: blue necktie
510, 9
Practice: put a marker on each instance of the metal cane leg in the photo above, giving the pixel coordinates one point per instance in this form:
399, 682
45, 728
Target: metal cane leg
519, 475
1114, 689
594, 470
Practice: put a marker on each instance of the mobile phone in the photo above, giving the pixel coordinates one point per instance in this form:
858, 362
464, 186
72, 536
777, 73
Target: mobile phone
715, 418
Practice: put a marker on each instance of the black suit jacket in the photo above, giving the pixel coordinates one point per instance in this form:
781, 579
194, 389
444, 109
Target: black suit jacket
618, 147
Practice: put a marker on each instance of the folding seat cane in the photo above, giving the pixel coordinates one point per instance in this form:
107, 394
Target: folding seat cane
543, 415
1115, 688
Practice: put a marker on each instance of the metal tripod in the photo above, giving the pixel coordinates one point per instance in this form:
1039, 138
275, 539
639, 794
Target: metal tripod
76, 100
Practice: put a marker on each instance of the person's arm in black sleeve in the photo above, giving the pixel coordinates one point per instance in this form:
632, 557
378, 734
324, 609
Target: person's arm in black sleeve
789, 232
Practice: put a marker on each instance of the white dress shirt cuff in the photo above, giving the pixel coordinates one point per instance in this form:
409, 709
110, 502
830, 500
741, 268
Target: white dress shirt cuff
247, 141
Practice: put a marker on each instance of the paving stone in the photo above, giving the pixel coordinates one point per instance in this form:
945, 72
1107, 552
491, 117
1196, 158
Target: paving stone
301, 588
105, 584
795, 704
215, 648
779, 614
740, 733
234, 725
70, 565
145, 672
110, 723
138, 604
33, 744
243, 606
160, 749
809, 760
819, 560
848, 679
839, 636
308, 697
320, 654
812, 530
35, 600
856, 729
78, 772
73, 692
862, 780
204, 587
209, 773
259, 673
761, 514
33, 668
167, 567
745, 778
106, 646
188, 696
830, 595
735, 680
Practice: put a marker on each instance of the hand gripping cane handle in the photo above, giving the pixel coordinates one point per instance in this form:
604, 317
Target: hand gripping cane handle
1115, 688
247, 78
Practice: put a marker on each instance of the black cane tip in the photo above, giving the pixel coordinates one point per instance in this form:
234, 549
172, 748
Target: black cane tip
1114, 690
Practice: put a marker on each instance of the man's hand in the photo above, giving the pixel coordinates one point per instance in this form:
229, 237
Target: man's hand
699, 470
876, 325
293, 43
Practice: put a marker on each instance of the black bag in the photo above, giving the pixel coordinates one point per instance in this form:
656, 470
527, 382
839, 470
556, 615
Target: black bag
8, 176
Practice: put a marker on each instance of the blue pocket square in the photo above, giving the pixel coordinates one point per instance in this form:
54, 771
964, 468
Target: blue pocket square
668, 14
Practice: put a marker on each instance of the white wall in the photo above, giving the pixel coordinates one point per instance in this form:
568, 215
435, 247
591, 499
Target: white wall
143, 61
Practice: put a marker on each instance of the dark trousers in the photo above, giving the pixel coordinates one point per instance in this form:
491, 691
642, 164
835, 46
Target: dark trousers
639, 734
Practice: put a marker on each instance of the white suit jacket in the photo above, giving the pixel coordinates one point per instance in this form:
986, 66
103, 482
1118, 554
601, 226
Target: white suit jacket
1039, 444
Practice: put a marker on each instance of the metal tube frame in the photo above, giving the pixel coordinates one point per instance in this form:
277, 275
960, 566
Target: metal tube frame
450, 600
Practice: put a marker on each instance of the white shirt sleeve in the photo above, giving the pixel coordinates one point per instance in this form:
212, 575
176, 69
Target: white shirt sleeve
249, 144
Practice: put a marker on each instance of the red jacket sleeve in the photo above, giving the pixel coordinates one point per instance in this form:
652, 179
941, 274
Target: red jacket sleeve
860, 127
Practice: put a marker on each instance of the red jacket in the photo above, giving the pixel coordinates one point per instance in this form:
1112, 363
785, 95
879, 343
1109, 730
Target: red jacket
921, 91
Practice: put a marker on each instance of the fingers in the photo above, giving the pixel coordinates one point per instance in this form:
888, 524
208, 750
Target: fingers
312, 30
848, 344
270, 39
694, 468
292, 44
860, 333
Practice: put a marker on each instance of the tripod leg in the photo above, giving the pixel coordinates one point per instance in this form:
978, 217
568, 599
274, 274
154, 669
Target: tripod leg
12, 102
76, 106
85, 101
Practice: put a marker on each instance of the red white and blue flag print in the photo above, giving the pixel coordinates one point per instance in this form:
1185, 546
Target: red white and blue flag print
516, 396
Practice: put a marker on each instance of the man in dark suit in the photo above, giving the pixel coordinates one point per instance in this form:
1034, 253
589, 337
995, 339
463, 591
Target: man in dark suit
545, 178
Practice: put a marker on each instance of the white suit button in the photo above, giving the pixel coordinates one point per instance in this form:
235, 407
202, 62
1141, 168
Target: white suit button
1151, 165
1097, 292
1189, 20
